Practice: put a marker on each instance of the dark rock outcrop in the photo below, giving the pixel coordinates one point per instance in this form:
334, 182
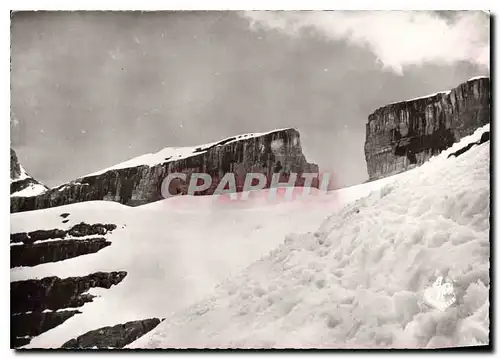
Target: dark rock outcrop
38, 235
78, 230
83, 229
277, 151
29, 255
36, 295
24, 326
15, 167
403, 135
36, 303
19, 179
116, 336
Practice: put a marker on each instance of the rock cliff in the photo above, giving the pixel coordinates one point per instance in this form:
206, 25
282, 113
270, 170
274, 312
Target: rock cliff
138, 181
405, 134
22, 184
115, 337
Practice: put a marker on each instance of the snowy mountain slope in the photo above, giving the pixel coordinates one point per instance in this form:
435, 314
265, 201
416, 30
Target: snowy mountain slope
440, 92
33, 189
174, 251
357, 281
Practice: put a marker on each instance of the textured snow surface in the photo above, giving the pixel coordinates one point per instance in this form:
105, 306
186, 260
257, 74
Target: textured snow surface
174, 153
437, 93
175, 251
357, 281
264, 274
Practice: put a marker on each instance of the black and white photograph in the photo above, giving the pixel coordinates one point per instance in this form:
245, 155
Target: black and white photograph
250, 179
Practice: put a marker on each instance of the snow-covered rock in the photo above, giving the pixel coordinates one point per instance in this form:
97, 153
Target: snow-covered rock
406, 134
21, 183
138, 181
358, 280
262, 274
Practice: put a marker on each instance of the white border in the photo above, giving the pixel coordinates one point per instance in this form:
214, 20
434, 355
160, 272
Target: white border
186, 5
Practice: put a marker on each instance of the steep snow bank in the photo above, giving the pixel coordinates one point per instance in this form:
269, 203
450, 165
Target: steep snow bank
358, 280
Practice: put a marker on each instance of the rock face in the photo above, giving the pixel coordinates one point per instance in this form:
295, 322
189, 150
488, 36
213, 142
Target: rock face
15, 167
54, 245
78, 230
279, 151
38, 305
25, 326
403, 135
115, 337
37, 295
30, 255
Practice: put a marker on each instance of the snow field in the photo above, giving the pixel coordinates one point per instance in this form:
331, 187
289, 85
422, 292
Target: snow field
173, 256
357, 282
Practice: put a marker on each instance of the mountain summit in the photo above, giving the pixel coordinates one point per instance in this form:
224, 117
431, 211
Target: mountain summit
21, 183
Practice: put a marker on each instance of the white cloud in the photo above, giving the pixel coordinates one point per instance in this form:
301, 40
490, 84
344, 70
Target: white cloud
397, 38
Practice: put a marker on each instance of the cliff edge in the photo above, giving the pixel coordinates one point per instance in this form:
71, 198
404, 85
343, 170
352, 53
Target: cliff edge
138, 181
405, 134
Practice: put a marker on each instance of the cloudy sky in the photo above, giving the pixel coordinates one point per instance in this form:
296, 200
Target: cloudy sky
89, 90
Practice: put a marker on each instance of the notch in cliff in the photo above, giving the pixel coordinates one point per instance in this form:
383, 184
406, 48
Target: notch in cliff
21, 183
405, 134
138, 181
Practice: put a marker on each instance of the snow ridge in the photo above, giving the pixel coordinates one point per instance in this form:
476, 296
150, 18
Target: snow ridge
169, 154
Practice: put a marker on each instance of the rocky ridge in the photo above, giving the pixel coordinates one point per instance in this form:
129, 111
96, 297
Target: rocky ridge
134, 183
405, 134
21, 183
